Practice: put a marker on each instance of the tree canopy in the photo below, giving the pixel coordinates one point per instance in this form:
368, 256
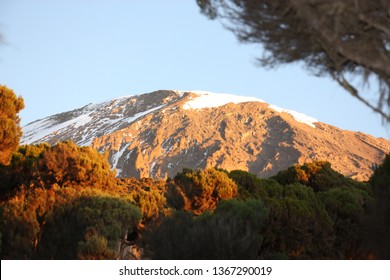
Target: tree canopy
64, 202
232, 231
89, 227
340, 38
10, 130
64, 164
200, 190
319, 175
378, 228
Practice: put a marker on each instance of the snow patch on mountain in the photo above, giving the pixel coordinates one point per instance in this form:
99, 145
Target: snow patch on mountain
39, 129
117, 156
88, 120
299, 117
141, 114
210, 100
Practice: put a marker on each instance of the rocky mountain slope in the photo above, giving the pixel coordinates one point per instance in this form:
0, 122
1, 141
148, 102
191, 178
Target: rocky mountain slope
159, 133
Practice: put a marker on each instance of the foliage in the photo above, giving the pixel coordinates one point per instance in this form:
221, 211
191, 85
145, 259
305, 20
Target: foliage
49, 223
170, 239
339, 38
42, 179
377, 227
250, 186
298, 225
64, 164
232, 231
201, 190
237, 228
20, 229
63, 202
319, 175
148, 195
24, 169
94, 247
110, 217
381, 177
346, 207
325, 223
10, 130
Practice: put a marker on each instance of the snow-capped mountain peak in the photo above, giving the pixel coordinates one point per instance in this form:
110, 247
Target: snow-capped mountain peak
157, 134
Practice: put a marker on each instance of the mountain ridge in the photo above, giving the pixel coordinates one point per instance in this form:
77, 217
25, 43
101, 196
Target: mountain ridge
157, 134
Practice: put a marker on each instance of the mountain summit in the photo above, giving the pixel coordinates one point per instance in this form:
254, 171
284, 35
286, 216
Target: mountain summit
158, 134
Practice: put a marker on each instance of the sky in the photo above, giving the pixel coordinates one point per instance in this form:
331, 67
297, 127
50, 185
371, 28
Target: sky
62, 55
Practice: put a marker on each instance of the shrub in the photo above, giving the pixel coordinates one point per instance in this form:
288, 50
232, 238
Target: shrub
319, 175
110, 217
200, 191
232, 231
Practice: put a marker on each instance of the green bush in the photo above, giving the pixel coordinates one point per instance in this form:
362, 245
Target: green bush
112, 218
250, 186
148, 195
319, 175
377, 227
10, 130
346, 207
94, 247
297, 226
232, 231
64, 164
24, 170
201, 190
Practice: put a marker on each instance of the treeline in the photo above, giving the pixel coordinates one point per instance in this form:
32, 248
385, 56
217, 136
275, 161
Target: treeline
64, 202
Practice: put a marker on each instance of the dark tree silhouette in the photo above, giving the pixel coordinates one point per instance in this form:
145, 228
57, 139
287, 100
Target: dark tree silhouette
340, 38
233, 231
378, 225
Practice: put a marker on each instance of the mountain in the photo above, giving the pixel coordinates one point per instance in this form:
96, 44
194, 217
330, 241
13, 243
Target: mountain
158, 134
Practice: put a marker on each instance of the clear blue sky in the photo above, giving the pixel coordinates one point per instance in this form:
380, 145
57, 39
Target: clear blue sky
61, 55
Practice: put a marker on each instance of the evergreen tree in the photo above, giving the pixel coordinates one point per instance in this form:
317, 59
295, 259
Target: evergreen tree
10, 130
318, 175
232, 231
66, 233
24, 170
377, 227
201, 190
94, 247
64, 164
346, 207
19, 227
298, 225
250, 186
67, 164
148, 195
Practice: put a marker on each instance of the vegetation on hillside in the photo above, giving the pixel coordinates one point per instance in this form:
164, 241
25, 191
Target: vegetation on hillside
10, 130
64, 202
